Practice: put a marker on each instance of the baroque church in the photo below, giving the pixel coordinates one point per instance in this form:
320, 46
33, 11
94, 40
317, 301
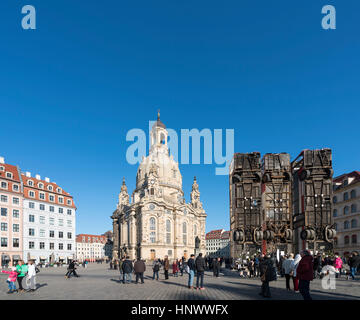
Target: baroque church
157, 221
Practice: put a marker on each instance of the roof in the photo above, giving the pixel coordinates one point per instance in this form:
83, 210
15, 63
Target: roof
12, 169
341, 178
90, 238
218, 234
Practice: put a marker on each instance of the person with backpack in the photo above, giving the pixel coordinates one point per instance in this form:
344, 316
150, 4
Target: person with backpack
190, 269
156, 269
127, 268
31, 275
200, 268
267, 274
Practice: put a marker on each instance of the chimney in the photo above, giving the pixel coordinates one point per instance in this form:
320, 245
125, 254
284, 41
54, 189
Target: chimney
47, 179
2, 160
37, 176
28, 174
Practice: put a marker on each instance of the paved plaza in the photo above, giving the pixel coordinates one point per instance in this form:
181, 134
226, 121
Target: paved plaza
97, 282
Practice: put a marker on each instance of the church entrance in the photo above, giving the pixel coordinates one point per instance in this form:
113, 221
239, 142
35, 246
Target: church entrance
152, 254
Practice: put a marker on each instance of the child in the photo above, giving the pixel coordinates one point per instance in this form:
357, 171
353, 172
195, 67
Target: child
11, 280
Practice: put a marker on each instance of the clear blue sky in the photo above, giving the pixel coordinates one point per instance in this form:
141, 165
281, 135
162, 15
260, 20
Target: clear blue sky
70, 90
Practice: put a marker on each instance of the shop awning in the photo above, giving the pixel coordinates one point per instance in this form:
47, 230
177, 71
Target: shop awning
16, 257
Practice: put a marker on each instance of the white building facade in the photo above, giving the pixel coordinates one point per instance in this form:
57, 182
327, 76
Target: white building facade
218, 244
90, 247
48, 221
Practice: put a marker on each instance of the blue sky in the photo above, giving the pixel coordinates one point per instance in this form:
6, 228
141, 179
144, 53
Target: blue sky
71, 89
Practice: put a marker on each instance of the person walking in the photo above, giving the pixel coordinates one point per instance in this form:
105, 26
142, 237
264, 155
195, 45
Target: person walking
287, 270
293, 267
216, 266
21, 269
139, 268
191, 270
256, 266
200, 269
120, 269
304, 273
127, 268
267, 274
156, 269
354, 262
251, 268
11, 280
31, 275
71, 270
166, 267
338, 263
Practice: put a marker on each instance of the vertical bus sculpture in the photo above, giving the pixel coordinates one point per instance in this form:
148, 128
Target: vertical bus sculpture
245, 204
276, 202
312, 193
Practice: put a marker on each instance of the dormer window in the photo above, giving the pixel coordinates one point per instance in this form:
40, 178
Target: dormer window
2, 168
345, 182
58, 190
41, 185
50, 188
30, 183
9, 175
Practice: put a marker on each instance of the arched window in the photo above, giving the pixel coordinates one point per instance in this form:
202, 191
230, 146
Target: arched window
353, 208
346, 240
353, 194
353, 223
354, 238
346, 224
162, 139
168, 231
184, 233
346, 196
335, 213
152, 224
346, 210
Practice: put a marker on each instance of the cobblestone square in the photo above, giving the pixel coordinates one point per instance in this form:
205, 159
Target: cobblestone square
97, 282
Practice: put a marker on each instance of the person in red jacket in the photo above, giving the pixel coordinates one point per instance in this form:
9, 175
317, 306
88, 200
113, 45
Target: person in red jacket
305, 274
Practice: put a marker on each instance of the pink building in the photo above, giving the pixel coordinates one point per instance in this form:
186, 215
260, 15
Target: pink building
11, 214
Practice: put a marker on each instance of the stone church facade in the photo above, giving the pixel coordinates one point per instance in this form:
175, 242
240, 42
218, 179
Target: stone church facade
157, 221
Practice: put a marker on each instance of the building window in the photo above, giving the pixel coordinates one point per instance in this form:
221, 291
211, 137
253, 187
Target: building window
42, 207
354, 238
4, 198
61, 222
58, 190
16, 201
346, 225
30, 183
346, 240
353, 194
42, 219
4, 226
31, 244
31, 205
4, 242
42, 233
16, 227
51, 246
32, 194
61, 246
61, 199
152, 237
184, 233
69, 223
50, 188
16, 213
353, 223
334, 199
69, 202
31, 218
69, 235
42, 196
3, 212
334, 213
61, 210
51, 234
346, 196
69, 212
42, 245
61, 234
31, 232
353, 208
4, 185
51, 221
152, 224
69, 246
16, 242
51, 198
15, 187
51, 209
346, 210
